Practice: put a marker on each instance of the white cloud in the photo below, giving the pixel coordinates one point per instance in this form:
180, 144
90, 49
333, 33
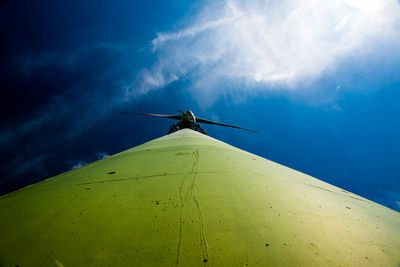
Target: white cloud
102, 155
268, 42
390, 198
229, 44
78, 165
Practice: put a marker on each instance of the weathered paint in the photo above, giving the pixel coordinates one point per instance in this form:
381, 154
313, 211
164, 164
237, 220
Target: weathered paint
190, 200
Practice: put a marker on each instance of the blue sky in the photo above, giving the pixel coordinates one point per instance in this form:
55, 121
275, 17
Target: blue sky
320, 80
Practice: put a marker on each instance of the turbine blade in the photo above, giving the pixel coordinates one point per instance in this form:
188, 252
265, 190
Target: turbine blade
200, 120
175, 117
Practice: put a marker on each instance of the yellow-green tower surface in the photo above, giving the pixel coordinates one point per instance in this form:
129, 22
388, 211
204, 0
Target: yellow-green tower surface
186, 199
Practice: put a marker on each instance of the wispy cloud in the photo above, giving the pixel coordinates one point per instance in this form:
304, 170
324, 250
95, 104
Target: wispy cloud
93, 94
228, 45
262, 44
81, 163
78, 164
390, 198
102, 155
19, 165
